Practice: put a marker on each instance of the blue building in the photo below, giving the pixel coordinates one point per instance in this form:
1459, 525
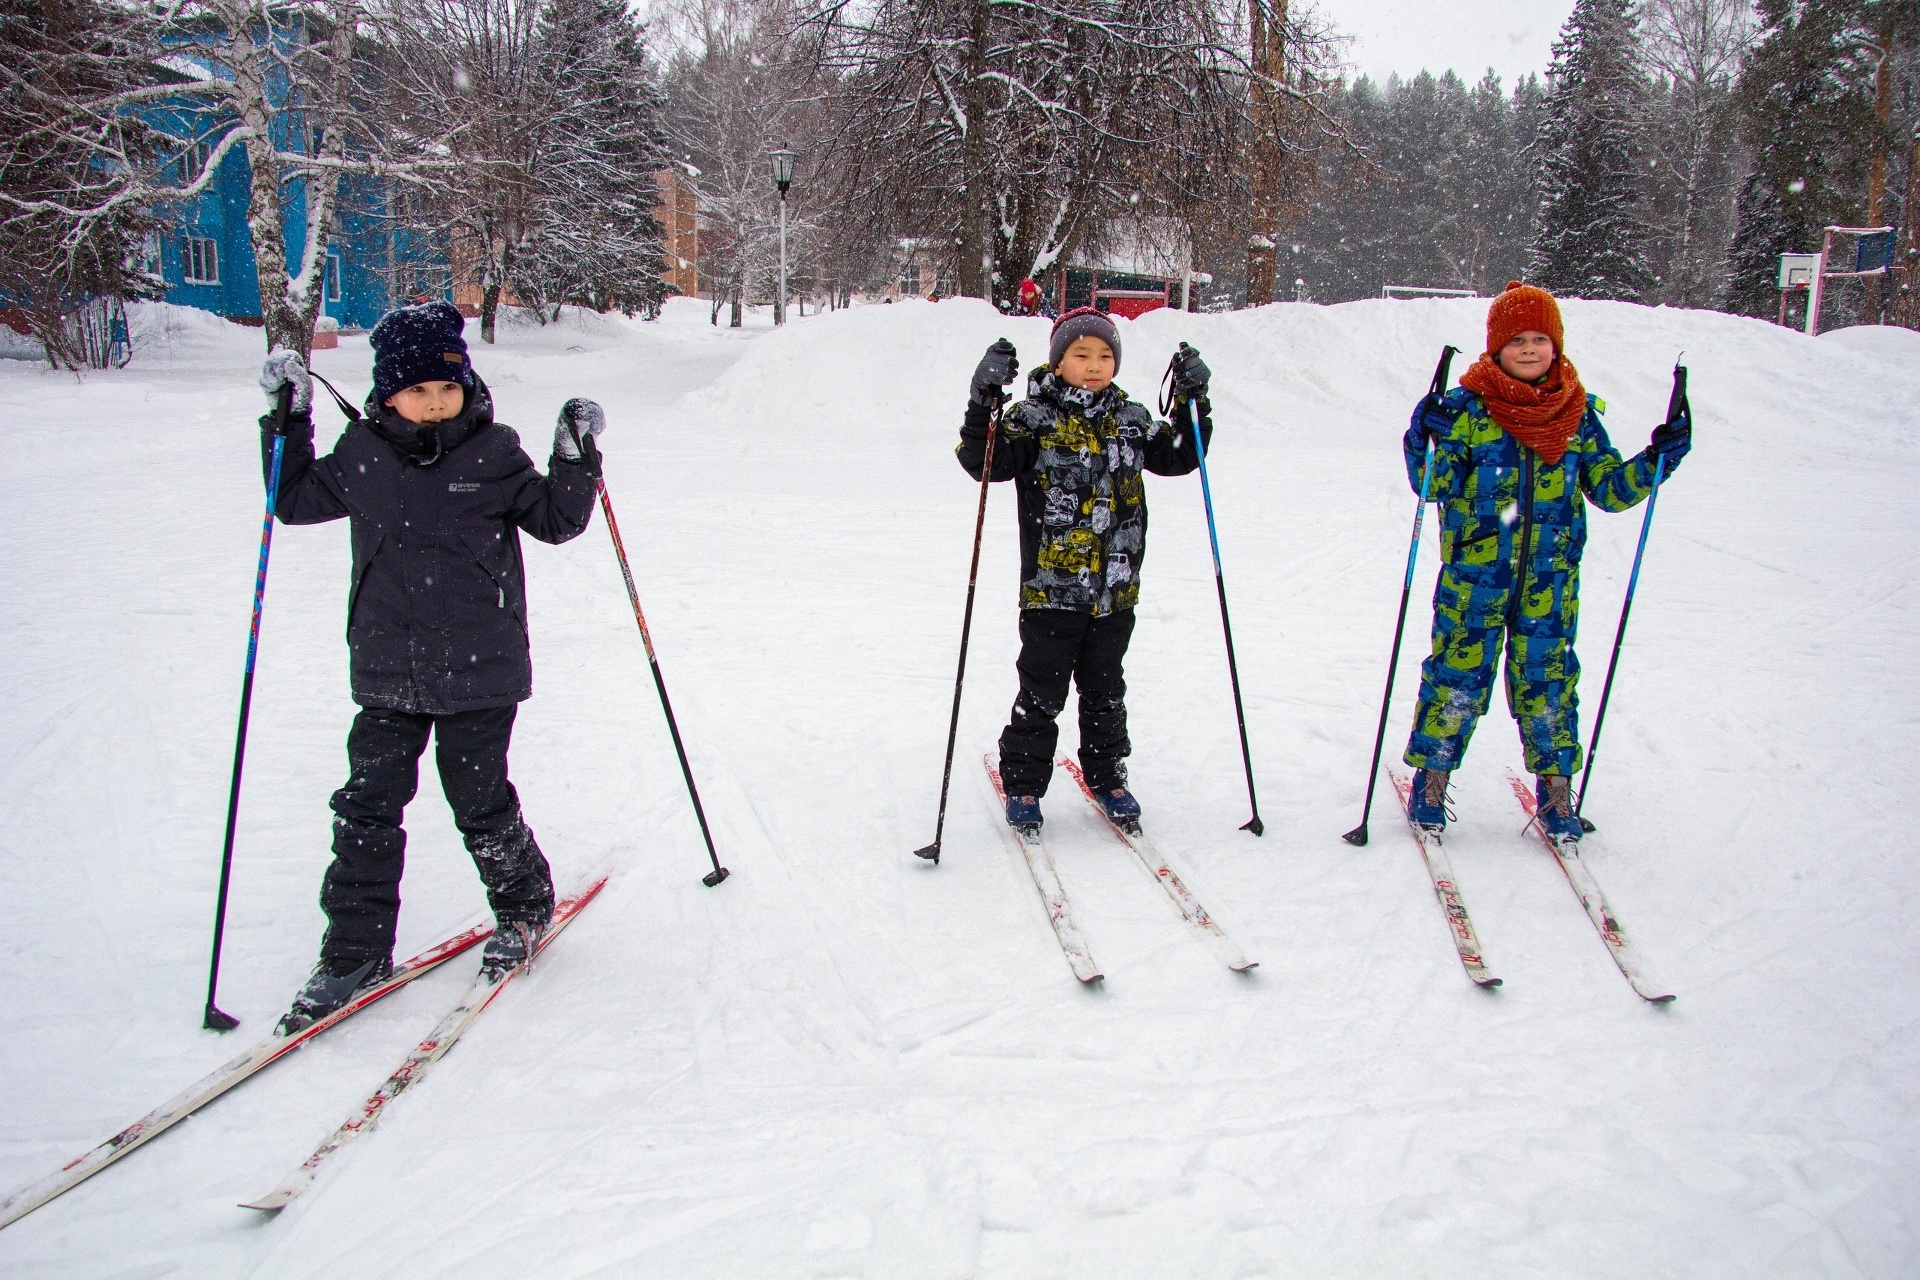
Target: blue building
204, 253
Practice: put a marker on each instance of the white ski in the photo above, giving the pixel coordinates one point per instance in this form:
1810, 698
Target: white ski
1046, 878
1131, 835
191, 1099
1587, 889
417, 1064
1446, 888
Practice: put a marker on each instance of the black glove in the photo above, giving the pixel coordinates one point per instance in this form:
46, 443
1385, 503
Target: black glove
995, 370
1674, 436
1190, 374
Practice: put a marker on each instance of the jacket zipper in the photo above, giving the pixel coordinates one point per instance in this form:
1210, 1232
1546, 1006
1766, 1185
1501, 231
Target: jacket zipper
1523, 553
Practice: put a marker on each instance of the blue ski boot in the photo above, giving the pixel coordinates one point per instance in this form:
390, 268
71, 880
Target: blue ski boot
1427, 806
1553, 805
1023, 813
1119, 805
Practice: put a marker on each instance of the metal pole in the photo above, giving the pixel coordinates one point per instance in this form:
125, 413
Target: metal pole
932, 852
213, 1018
1358, 836
780, 312
1252, 824
1815, 289
1675, 402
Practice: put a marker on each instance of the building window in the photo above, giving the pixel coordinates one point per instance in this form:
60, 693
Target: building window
333, 276
193, 161
201, 261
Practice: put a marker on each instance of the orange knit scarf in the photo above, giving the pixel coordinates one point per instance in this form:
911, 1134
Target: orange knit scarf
1544, 418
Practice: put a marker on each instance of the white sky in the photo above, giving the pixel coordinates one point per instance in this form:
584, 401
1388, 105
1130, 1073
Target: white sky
1468, 36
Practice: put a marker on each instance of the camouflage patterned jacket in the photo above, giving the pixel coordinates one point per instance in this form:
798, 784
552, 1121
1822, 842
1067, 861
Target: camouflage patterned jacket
1077, 461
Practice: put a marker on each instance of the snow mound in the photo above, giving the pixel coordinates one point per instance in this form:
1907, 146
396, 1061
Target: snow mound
844, 1062
1884, 342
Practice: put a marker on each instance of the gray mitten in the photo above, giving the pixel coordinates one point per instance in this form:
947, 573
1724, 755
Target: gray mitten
283, 367
581, 416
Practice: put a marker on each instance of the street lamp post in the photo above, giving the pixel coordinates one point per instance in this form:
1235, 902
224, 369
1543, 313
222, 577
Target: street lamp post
782, 178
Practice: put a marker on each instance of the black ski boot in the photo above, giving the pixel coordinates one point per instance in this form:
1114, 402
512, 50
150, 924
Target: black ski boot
511, 945
331, 985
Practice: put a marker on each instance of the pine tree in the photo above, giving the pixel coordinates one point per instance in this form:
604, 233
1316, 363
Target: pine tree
1591, 238
599, 244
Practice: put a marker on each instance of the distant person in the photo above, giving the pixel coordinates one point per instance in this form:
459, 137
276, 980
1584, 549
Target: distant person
1076, 449
437, 493
1518, 451
1030, 297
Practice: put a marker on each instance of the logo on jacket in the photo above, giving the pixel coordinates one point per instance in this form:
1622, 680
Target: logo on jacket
463, 488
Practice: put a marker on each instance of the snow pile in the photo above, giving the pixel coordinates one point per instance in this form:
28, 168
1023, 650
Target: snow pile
844, 1062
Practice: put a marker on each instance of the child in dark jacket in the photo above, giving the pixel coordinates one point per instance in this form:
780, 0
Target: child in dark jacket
1518, 452
1076, 449
437, 493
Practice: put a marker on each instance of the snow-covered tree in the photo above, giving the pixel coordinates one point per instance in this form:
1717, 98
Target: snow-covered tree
1591, 235
596, 241
1695, 49
1807, 108
73, 177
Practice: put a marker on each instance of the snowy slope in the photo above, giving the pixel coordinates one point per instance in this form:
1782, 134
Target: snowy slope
844, 1062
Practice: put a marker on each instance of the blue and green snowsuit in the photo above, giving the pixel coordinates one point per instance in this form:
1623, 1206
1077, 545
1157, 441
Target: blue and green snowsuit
1505, 514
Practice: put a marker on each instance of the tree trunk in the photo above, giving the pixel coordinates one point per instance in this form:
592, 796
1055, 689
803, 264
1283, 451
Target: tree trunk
1269, 58
489, 307
973, 272
733, 320
1906, 306
266, 231
1877, 170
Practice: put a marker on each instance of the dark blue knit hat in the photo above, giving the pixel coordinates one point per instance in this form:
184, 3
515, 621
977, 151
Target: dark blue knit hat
419, 344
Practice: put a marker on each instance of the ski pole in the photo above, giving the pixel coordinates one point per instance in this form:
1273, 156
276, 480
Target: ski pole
1676, 401
1358, 836
719, 872
214, 1019
1252, 824
931, 852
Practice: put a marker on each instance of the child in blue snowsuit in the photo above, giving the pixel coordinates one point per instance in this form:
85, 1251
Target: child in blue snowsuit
1518, 452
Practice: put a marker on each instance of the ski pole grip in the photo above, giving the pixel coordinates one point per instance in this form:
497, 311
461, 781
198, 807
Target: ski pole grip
282, 408
1443, 370
1677, 399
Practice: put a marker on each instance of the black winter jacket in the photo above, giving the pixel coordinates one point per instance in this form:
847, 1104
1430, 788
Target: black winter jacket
437, 610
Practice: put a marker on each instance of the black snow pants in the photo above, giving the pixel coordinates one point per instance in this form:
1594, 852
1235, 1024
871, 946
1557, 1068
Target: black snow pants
1058, 646
361, 892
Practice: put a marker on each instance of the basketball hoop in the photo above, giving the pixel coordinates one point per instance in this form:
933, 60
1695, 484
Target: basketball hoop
1872, 255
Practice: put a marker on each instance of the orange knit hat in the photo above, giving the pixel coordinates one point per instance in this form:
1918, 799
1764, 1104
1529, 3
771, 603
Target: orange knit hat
1522, 308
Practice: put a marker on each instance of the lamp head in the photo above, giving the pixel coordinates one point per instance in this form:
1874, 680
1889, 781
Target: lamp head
782, 168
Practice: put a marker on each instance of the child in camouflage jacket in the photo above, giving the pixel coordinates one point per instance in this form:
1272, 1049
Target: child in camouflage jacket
1076, 449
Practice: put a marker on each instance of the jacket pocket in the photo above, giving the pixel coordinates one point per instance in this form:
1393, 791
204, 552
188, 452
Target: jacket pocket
360, 571
496, 560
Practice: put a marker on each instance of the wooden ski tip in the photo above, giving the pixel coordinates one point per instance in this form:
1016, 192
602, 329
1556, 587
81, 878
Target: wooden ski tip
1357, 836
272, 1203
1486, 984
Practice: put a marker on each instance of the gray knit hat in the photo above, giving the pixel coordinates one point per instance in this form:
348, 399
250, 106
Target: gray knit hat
1082, 322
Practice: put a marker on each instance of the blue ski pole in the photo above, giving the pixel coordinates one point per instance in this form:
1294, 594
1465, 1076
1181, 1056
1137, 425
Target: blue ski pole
1358, 835
1676, 402
215, 1019
1252, 824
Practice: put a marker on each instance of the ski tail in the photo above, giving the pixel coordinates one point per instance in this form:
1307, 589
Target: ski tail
1587, 889
1053, 895
225, 1077
429, 1051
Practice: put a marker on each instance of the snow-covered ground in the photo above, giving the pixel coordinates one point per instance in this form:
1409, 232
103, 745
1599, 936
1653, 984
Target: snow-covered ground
844, 1062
